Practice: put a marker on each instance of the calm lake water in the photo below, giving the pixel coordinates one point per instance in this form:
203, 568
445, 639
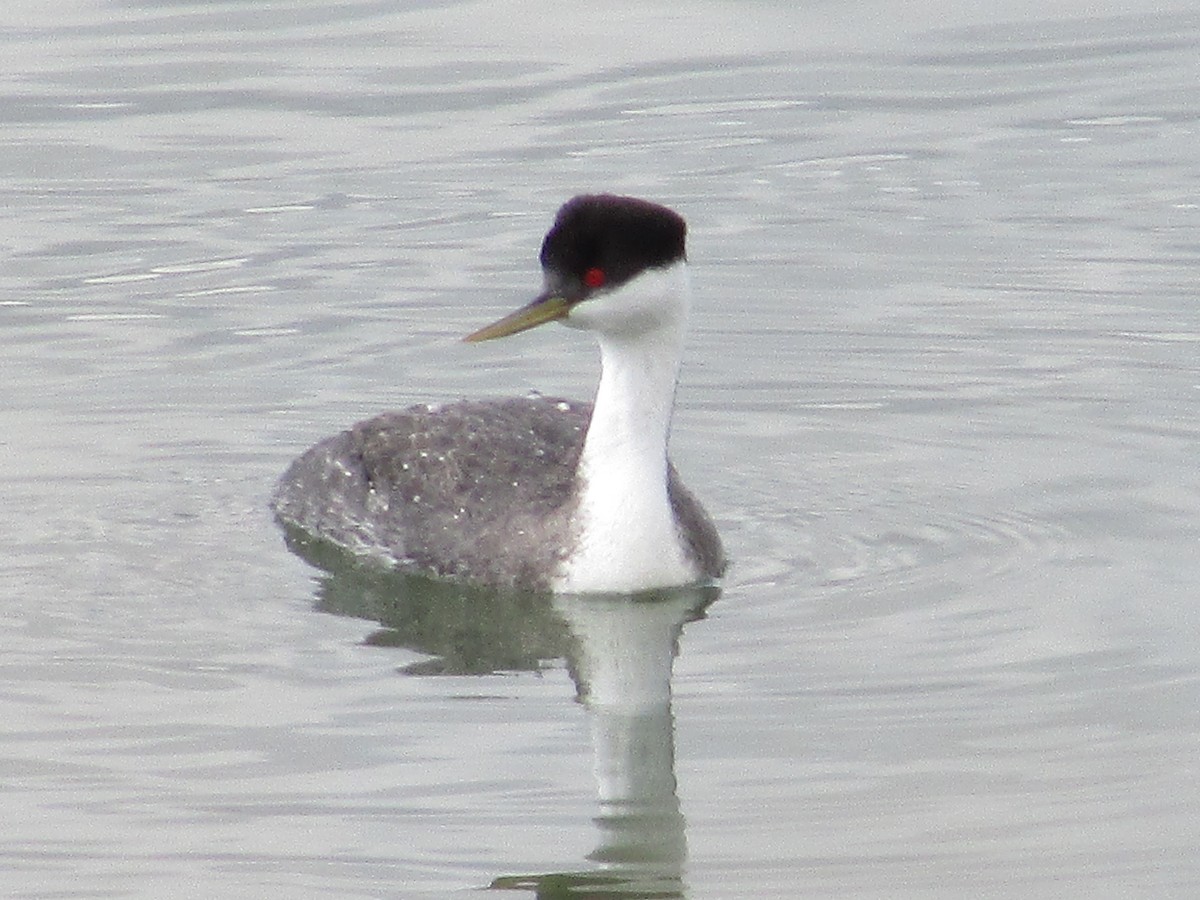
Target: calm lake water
942, 396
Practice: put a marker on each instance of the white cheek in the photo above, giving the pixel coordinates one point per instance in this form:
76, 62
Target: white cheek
606, 314
590, 314
577, 317
654, 299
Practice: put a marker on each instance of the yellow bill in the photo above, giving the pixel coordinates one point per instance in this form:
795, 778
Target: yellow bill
546, 308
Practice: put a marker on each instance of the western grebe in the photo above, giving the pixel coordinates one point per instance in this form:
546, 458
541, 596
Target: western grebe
538, 493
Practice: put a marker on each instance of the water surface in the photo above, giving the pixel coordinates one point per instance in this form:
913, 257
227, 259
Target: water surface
941, 397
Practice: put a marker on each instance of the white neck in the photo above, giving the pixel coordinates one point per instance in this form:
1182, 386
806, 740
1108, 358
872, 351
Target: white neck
628, 539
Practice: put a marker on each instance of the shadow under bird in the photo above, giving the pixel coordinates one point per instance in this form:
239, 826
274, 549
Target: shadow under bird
538, 493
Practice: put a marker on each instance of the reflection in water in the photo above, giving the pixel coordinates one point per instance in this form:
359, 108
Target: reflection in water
621, 656
467, 630
619, 651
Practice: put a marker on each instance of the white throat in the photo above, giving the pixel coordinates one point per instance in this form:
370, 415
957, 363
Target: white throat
628, 539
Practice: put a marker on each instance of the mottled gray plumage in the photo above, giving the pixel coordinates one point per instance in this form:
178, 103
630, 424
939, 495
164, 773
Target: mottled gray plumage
484, 491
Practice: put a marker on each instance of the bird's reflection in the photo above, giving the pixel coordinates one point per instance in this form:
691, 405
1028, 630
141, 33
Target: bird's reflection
466, 630
619, 650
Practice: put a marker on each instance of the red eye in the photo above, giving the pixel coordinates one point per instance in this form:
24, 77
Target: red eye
594, 278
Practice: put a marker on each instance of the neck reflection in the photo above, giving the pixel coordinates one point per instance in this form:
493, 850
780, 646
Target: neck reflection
621, 661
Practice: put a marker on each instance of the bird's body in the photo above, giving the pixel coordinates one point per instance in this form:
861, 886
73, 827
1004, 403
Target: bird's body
538, 493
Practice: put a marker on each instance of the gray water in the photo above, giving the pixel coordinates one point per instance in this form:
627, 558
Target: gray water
941, 396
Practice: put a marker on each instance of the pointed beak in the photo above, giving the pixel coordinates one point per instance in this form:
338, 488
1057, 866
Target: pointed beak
548, 307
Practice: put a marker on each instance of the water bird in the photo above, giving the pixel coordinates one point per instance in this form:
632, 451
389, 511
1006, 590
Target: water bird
538, 493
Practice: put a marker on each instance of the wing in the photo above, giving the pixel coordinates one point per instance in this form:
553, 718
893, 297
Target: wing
482, 490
